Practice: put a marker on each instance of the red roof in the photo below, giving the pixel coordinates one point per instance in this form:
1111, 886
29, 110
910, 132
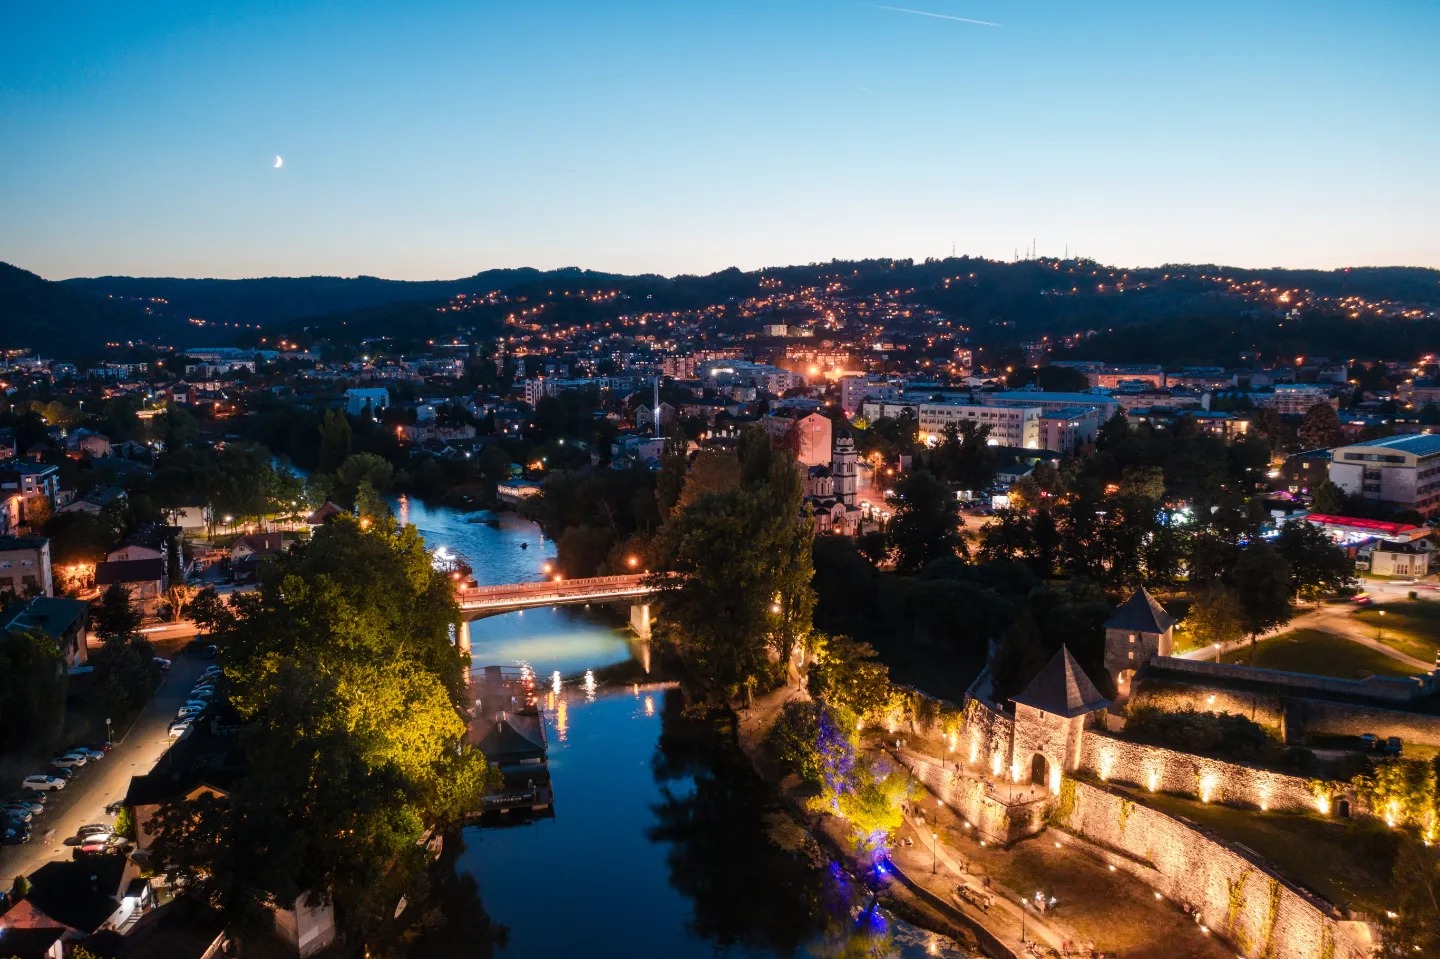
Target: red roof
1354, 522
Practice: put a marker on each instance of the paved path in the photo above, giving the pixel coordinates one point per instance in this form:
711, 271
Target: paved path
96, 785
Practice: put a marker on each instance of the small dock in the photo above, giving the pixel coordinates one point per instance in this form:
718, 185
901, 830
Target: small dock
507, 726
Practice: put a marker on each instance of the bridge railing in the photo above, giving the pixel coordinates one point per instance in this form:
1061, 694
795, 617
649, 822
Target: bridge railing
623, 583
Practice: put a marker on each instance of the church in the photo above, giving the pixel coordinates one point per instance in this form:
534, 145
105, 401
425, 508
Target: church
832, 492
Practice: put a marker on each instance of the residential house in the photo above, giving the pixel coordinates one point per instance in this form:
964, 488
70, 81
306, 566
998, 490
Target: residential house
368, 401
95, 500
1390, 558
32, 482
91, 895
83, 442
248, 551
25, 566
318, 518
26, 932
66, 621
140, 569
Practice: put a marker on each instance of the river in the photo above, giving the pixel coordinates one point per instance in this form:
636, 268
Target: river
663, 842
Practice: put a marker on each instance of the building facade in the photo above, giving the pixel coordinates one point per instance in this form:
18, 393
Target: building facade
1401, 471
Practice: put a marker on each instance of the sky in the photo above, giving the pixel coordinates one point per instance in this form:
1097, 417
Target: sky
432, 139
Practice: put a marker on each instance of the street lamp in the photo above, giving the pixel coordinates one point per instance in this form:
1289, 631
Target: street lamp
109, 733
1022, 922
934, 851
1380, 626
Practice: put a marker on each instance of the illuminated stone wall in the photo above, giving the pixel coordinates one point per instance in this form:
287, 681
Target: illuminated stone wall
1235, 896
987, 737
1002, 814
1176, 697
1211, 780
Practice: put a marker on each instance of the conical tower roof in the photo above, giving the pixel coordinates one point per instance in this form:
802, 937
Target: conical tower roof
1141, 614
1062, 688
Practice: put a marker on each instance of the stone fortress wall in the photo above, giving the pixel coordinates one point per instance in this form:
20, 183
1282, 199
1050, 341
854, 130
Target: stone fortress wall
1233, 893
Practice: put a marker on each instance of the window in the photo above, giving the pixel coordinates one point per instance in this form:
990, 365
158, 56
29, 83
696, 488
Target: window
1132, 654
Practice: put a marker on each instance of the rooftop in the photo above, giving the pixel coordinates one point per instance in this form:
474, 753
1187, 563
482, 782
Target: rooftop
1140, 613
1417, 444
1062, 688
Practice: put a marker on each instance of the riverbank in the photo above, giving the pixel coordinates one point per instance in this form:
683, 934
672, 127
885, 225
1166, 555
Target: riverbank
900, 894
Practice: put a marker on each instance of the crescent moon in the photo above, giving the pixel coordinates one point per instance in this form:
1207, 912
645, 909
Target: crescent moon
279, 161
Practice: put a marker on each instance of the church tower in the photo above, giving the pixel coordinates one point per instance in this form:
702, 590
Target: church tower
843, 462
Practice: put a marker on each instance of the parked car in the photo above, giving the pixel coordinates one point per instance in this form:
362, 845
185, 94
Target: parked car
189, 710
212, 671
161, 663
9, 815
97, 747
61, 772
94, 830
14, 835
180, 727
71, 760
204, 692
91, 755
33, 806
1368, 742
1394, 746
210, 652
96, 848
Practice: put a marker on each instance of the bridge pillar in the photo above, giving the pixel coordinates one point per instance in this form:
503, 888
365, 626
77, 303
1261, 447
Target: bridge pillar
462, 638
640, 619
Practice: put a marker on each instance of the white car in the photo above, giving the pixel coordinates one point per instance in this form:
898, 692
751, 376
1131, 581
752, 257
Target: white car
43, 783
70, 761
180, 727
202, 692
91, 755
189, 710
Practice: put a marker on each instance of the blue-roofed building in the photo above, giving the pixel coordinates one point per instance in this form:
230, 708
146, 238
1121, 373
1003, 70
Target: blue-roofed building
1399, 471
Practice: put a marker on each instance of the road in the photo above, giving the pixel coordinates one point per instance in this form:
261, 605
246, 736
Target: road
97, 785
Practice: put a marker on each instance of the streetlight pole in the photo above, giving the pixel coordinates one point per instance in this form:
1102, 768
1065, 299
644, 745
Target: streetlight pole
1022, 922
934, 851
1380, 626
109, 734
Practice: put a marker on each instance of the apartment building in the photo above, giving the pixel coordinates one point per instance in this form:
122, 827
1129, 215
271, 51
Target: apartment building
1402, 471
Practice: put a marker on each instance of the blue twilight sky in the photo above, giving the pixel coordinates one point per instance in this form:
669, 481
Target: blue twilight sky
435, 139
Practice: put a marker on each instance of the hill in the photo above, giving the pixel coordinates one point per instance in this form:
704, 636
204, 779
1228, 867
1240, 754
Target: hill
58, 320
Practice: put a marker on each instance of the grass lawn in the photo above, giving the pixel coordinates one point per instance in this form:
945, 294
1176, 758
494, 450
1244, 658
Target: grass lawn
1325, 654
1345, 862
1411, 626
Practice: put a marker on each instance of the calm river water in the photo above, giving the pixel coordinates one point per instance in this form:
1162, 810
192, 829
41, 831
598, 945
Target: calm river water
663, 841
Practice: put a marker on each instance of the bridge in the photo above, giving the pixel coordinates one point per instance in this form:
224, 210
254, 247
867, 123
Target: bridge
507, 598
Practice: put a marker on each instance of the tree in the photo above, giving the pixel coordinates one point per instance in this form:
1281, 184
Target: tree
32, 692
115, 617
745, 561
1412, 927
847, 673
341, 662
334, 441
1261, 580
207, 610
361, 479
926, 524
1320, 429
1112, 432
1215, 617
1328, 498
1317, 565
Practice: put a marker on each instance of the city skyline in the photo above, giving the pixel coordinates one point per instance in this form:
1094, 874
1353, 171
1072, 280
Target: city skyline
644, 138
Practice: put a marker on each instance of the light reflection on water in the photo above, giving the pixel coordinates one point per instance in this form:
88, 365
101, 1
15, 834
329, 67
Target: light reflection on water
639, 859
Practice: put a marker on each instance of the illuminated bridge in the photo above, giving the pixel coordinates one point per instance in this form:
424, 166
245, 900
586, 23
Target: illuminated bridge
488, 600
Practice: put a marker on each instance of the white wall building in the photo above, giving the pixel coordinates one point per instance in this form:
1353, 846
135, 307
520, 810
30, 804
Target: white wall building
1403, 471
